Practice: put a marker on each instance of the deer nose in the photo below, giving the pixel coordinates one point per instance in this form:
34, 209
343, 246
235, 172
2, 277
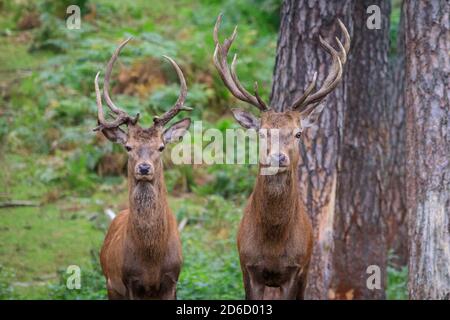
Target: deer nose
144, 169
281, 159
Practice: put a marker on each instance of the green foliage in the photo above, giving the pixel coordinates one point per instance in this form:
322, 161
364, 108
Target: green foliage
3, 128
397, 288
394, 25
397, 280
230, 181
214, 272
211, 265
92, 284
58, 8
6, 289
54, 36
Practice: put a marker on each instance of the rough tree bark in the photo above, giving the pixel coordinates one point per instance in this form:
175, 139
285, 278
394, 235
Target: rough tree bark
427, 98
394, 175
360, 229
299, 55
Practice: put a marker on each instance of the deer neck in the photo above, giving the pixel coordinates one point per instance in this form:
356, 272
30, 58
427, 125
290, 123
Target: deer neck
148, 227
276, 202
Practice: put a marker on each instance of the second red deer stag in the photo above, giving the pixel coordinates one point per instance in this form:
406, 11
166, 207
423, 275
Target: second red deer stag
275, 235
141, 255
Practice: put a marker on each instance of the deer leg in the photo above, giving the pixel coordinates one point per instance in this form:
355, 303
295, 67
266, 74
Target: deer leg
246, 280
254, 287
290, 288
168, 287
302, 281
302, 286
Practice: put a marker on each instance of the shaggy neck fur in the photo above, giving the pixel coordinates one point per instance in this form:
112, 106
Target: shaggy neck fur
148, 225
275, 203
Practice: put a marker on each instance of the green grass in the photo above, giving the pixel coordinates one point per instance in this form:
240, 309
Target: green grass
18, 58
40, 240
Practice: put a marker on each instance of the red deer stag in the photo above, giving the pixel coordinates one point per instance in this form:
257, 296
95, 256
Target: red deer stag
275, 234
141, 255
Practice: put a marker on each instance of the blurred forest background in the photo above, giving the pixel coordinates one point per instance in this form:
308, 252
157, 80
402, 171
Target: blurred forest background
64, 176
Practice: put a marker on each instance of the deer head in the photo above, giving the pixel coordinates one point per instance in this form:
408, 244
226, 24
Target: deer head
144, 145
303, 113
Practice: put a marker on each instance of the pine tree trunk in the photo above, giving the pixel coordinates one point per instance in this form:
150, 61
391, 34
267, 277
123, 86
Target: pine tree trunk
360, 229
427, 98
394, 176
299, 55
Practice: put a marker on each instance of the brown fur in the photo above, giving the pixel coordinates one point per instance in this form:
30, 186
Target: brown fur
141, 255
275, 234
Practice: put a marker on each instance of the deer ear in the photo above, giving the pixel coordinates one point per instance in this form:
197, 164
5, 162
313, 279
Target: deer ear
246, 119
310, 120
177, 130
116, 135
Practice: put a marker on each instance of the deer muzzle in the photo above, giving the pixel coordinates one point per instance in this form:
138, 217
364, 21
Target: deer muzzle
279, 160
144, 171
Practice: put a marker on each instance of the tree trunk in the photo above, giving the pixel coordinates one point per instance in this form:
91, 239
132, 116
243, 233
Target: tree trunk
299, 55
427, 39
394, 176
360, 229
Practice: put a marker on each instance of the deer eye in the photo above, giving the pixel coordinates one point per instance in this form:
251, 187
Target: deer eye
161, 148
298, 135
128, 148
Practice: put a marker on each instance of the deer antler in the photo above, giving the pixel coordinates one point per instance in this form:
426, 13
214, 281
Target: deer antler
333, 78
122, 116
179, 104
228, 74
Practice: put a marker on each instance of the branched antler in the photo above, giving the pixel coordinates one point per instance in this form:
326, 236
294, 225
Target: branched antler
121, 116
307, 102
179, 105
228, 75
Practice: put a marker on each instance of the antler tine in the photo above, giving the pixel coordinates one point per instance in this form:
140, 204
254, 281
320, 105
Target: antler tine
248, 96
179, 104
346, 37
309, 89
100, 114
261, 102
228, 74
122, 116
332, 79
108, 72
